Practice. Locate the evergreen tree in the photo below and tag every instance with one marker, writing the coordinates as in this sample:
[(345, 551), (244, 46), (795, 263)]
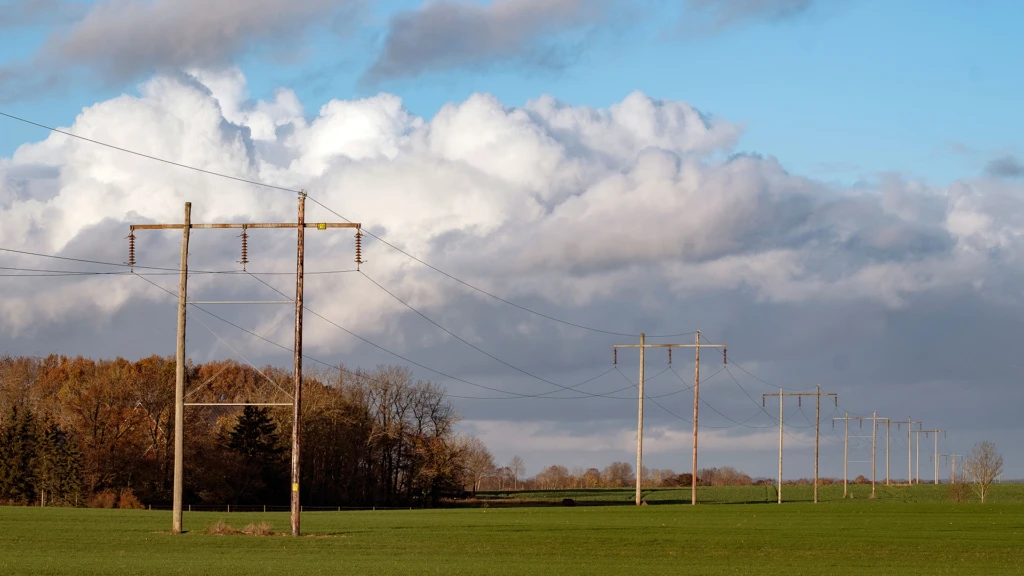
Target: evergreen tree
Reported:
[(18, 456), (255, 436), (259, 476), (58, 466)]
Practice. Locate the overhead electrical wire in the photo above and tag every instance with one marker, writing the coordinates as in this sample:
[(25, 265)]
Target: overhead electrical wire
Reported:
[(171, 271), (409, 360), (512, 395), (715, 410)]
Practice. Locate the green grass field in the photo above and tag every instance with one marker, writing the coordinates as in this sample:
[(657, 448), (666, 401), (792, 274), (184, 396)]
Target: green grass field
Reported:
[(859, 537)]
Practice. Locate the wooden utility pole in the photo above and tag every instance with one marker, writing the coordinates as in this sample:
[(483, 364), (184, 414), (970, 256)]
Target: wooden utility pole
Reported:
[(846, 453), (697, 345), (817, 429), (300, 261), (779, 491), (179, 380), (936, 453), (296, 403), (874, 460), (910, 424)]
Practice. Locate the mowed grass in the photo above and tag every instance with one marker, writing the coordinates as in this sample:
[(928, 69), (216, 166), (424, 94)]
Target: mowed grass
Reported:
[(869, 537)]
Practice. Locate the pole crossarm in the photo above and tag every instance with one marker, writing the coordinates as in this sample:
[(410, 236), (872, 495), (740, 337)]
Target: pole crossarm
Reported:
[(239, 404), (817, 394), (299, 226), (213, 302), (861, 418), (254, 225), (643, 345), (800, 394)]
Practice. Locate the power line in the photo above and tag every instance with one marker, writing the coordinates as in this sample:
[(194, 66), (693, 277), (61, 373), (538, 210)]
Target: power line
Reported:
[(171, 271), (489, 294), (460, 338), (413, 362), (715, 410), (165, 161)]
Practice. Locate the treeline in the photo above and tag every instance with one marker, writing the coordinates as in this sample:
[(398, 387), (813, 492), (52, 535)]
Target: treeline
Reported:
[(623, 475), (615, 475), (75, 431)]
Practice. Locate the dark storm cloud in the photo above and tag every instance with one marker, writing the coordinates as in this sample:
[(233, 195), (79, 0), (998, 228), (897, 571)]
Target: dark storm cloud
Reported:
[(448, 35), (724, 13), (1005, 167), (18, 13), (118, 41)]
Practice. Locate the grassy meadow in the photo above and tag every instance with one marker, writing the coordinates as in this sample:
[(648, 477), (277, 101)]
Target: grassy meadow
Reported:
[(869, 537)]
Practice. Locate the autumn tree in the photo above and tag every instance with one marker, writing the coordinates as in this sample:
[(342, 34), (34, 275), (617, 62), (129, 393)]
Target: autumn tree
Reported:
[(375, 437), (982, 466), (478, 461), (617, 474)]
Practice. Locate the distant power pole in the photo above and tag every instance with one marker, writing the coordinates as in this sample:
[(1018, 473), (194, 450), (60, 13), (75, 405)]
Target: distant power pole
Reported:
[(952, 463), (888, 423), (697, 345), (179, 385), (875, 419), (910, 424), (936, 456), (817, 432)]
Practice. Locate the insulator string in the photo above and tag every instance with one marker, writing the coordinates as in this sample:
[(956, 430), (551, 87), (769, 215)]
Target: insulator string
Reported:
[(245, 248), (131, 250)]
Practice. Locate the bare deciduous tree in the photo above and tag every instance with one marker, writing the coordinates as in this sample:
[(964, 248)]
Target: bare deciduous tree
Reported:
[(982, 467), (478, 460), (518, 468), (617, 474)]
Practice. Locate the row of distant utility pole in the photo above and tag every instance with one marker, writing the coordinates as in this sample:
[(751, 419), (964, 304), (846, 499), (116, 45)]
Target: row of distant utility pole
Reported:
[(875, 420), (782, 394)]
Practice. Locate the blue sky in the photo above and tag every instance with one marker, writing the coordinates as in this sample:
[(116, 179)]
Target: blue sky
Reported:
[(842, 91)]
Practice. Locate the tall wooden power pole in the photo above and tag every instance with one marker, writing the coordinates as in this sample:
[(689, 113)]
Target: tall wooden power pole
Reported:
[(817, 429), (179, 380), (697, 345), (296, 403)]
